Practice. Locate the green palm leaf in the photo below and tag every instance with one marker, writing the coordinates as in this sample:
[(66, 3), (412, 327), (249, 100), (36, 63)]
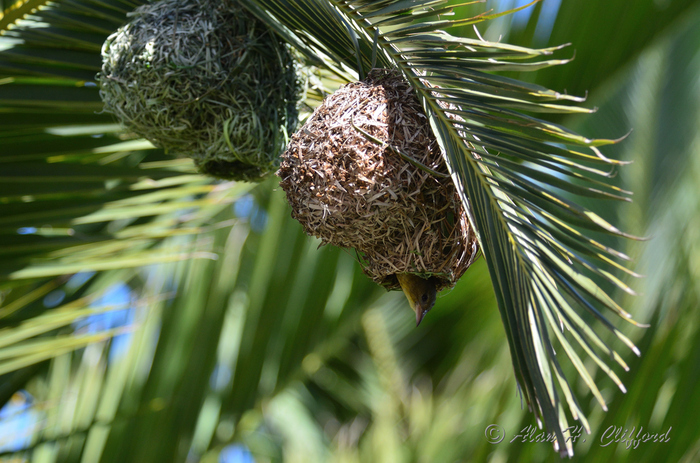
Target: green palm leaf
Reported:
[(518, 175), (539, 278)]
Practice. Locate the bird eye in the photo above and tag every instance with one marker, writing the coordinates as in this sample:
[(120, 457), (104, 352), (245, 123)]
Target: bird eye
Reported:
[(424, 298)]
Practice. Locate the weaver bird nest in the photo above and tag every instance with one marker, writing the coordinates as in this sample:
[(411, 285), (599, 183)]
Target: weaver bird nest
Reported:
[(203, 79), (349, 181)]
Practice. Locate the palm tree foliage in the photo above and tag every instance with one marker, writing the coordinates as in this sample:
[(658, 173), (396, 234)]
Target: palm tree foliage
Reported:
[(276, 320), (525, 232)]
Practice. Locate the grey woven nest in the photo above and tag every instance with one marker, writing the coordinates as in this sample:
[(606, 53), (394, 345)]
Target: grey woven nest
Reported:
[(203, 79), (353, 192)]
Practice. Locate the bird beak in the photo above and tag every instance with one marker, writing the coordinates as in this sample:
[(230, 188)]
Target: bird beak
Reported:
[(420, 313), (419, 292)]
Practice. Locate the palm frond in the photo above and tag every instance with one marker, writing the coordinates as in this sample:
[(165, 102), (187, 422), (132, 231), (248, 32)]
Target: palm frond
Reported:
[(78, 194), (85, 196), (518, 175)]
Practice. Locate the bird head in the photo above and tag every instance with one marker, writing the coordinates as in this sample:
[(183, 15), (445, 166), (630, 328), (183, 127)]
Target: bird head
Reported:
[(420, 292)]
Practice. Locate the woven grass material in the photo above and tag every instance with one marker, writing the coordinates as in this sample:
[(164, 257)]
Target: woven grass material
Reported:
[(203, 79), (352, 192)]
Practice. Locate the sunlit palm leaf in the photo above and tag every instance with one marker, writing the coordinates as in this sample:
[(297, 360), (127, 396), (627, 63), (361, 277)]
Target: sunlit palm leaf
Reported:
[(76, 193), (530, 234), (539, 259)]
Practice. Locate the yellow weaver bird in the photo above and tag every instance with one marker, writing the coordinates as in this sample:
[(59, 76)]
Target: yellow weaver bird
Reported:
[(420, 292)]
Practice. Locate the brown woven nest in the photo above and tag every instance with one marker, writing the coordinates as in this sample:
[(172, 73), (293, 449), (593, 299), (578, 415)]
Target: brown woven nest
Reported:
[(203, 79), (349, 190)]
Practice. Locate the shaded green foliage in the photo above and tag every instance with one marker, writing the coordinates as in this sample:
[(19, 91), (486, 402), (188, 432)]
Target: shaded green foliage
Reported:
[(265, 340)]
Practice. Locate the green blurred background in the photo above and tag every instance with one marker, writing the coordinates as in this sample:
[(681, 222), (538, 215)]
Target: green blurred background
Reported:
[(265, 347)]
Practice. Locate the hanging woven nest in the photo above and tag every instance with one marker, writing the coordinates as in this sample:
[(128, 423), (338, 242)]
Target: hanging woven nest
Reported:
[(206, 80), (349, 186)]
